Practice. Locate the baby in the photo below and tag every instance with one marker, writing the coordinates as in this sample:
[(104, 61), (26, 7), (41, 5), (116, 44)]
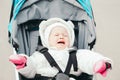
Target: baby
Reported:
[(58, 36)]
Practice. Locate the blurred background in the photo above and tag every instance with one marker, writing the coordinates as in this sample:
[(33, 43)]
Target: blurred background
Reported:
[(107, 17)]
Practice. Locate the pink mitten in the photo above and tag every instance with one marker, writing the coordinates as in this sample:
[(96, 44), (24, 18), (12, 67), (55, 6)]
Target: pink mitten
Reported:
[(102, 67), (18, 60)]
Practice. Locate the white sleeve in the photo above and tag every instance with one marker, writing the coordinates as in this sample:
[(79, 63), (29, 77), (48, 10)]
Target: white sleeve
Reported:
[(87, 59), (29, 70)]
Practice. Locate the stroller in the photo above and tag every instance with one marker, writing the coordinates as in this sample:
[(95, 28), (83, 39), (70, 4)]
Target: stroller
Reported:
[(26, 16)]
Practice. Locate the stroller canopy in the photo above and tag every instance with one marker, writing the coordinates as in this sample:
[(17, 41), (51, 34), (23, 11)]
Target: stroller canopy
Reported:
[(27, 14)]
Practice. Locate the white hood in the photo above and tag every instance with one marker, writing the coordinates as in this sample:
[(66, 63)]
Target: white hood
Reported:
[(45, 28)]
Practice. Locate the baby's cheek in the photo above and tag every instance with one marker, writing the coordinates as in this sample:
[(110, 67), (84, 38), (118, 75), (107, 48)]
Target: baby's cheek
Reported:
[(52, 43), (68, 43)]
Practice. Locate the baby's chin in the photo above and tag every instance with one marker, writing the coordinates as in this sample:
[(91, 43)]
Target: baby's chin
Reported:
[(59, 48)]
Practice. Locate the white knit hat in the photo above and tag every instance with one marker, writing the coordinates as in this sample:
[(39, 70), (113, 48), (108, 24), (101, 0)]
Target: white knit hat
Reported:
[(45, 28)]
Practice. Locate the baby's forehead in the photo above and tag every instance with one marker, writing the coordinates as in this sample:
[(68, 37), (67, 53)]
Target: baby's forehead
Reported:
[(59, 29)]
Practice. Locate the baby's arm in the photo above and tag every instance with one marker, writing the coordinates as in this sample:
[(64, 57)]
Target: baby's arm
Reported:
[(23, 64), (92, 62)]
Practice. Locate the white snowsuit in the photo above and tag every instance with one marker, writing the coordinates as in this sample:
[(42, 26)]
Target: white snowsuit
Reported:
[(38, 64)]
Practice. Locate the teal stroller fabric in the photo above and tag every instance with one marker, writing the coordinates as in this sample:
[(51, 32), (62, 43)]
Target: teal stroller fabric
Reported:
[(86, 6), (17, 4)]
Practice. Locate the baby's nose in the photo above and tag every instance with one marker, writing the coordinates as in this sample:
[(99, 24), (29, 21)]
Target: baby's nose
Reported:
[(61, 36)]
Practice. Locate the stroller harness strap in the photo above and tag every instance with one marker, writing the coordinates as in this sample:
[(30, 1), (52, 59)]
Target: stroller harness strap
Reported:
[(49, 58), (72, 60)]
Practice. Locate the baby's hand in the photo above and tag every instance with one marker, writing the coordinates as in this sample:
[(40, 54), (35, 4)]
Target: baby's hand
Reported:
[(102, 67), (18, 60)]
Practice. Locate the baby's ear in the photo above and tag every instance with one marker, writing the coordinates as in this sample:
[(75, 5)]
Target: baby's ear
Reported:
[(70, 23)]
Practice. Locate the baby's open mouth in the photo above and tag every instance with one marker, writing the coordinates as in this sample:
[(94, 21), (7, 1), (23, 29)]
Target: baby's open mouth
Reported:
[(61, 42)]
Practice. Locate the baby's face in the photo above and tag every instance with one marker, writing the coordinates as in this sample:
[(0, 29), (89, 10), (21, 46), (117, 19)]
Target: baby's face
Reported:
[(59, 38)]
